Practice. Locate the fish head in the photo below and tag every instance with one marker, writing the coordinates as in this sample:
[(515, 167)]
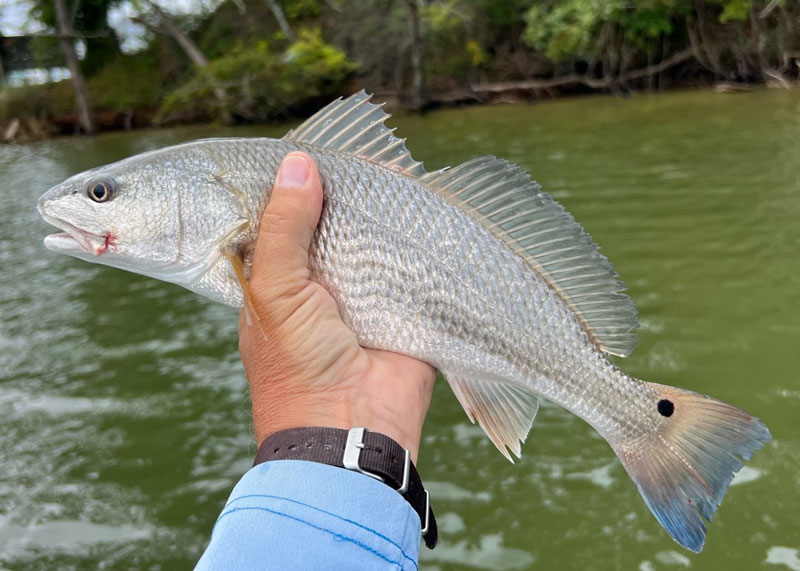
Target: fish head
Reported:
[(163, 214)]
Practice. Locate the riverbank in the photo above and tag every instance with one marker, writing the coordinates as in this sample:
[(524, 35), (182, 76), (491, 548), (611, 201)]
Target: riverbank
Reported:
[(255, 62), (26, 129)]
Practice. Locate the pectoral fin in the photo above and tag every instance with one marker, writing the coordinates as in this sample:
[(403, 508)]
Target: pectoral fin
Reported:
[(251, 314)]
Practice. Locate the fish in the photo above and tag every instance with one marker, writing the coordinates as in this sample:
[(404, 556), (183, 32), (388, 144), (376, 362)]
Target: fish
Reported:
[(473, 269)]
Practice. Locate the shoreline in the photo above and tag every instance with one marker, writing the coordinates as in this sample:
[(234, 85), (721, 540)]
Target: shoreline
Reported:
[(21, 130)]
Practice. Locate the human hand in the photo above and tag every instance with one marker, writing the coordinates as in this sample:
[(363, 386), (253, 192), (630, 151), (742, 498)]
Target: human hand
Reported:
[(306, 368)]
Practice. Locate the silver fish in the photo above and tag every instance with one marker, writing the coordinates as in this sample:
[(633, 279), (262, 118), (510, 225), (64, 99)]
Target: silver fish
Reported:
[(472, 269)]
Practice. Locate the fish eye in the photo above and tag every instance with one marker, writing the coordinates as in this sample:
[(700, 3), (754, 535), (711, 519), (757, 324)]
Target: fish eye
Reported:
[(101, 190)]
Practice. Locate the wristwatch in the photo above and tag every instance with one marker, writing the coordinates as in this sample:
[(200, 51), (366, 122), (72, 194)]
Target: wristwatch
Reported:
[(371, 453)]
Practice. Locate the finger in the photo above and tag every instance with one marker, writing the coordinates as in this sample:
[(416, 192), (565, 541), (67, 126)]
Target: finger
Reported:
[(280, 261)]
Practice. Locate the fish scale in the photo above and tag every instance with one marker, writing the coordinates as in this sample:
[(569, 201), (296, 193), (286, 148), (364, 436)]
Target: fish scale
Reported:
[(472, 269), (536, 335)]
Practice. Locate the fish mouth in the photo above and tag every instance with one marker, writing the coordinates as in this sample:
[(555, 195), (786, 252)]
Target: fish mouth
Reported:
[(74, 240)]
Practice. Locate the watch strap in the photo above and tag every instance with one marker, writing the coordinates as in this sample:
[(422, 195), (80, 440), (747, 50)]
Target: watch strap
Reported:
[(371, 453)]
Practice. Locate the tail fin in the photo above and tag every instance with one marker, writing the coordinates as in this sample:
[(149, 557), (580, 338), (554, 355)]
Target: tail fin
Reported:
[(684, 467)]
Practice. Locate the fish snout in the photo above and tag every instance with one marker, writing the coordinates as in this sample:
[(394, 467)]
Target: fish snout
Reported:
[(73, 239)]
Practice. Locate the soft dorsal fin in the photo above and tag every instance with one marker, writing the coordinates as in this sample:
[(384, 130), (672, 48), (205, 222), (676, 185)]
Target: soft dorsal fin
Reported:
[(508, 203), (505, 411), (354, 127)]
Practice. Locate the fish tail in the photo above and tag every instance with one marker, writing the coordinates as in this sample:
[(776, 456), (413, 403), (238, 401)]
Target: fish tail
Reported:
[(683, 468)]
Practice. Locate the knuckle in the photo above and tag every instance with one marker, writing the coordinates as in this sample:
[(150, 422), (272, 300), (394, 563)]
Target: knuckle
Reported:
[(276, 221)]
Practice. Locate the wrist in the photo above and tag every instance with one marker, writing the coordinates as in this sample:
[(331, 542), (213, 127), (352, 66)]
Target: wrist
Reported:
[(271, 415)]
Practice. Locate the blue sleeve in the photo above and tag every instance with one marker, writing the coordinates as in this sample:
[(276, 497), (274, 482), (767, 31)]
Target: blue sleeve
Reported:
[(292, 514)]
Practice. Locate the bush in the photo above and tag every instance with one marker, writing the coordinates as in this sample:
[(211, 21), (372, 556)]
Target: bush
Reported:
[(259, 83), (130, 83)]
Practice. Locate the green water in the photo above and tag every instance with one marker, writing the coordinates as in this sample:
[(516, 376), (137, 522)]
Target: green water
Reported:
[(124, 414)]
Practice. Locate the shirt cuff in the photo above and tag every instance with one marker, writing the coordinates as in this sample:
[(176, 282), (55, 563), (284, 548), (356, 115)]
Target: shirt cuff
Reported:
[(286, 512)]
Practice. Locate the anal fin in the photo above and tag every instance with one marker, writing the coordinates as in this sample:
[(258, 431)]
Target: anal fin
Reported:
[(505, 411)]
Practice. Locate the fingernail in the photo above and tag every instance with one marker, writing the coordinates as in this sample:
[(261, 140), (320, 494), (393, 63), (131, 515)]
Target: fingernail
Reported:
[(293, 172)]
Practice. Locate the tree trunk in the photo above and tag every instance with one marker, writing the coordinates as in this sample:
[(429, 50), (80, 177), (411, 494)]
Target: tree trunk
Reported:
[(711, 52), (193, 53), (755, 27), (281, 19), (82, 99), (599, 49), (694, 42), (417, 53)]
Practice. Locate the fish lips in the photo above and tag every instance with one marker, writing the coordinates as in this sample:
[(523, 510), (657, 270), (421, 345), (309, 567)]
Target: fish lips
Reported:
[(73, 241)]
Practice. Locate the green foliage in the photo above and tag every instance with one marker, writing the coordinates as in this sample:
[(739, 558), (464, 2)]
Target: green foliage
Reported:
[(227, 27), (91, 21), (563, 29), (734, 10), (102, 45), (41, 101), (503, 14), (260, 82), (444, 17), (45, 49), (452, 49), (128, 83), (311, 59), (300, 9), (477, 55), (572, 28), (643, 25)]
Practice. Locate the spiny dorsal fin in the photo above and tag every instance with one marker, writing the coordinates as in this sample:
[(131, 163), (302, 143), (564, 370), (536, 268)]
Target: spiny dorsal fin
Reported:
[(508, 203), (354, 127), (504, 411)]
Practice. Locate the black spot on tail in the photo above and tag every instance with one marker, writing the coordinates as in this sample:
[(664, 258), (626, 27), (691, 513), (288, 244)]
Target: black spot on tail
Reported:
[(665, 407)]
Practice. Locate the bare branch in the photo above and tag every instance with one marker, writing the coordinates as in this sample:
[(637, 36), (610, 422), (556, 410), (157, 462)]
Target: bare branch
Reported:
[(73, 35), (768, 10), (82, 99), (592, 82), (281, 19)]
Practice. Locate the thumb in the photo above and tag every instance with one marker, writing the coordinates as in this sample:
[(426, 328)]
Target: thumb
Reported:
[(280, 262)]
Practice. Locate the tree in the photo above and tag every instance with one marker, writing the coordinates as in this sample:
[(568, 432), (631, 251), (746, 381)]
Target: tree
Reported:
[(417, 53), (82, 98), (89, 21), (193, 53)]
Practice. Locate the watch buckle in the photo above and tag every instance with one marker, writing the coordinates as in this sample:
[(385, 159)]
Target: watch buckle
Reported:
[(352, 452)]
